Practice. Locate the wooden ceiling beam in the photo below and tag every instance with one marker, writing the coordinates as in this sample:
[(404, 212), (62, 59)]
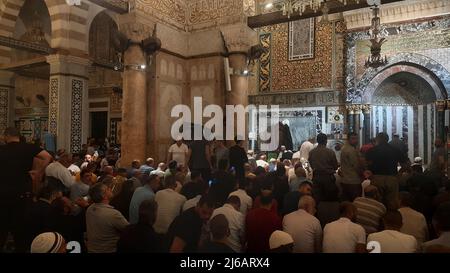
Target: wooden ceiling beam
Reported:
[(274, 18)]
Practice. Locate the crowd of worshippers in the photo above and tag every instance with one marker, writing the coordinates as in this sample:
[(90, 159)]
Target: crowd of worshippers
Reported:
[(208, 197)]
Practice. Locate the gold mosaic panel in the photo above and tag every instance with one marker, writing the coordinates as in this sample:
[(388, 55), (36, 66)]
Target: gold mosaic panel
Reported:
[(304, 74)]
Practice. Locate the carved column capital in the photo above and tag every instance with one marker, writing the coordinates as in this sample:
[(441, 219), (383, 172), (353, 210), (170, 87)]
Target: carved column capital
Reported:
[(366, 108), (448, 104), (350, 109), (357, 109), (441, 105), (239, 38), (136, 26)]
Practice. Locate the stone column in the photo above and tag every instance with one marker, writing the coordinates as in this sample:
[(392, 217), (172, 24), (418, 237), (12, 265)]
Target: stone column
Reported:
[(68, 96), (7, 99), (366, 126), (134, 102), (440, 126), (239, 39)]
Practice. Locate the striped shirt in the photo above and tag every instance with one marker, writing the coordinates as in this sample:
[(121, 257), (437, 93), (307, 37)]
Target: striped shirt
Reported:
[(369, 213)]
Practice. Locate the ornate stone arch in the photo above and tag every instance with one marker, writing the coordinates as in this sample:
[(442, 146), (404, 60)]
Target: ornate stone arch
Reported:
[(367, 95), (428, 68)]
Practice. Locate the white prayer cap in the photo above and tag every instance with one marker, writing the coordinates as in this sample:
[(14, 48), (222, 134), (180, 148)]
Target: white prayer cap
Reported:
[(279, 238), (48, 242)]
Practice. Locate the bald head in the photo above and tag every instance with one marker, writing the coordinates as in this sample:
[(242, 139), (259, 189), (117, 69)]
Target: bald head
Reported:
[(307, 203), (149, 161), (371, 192), (108, 170)]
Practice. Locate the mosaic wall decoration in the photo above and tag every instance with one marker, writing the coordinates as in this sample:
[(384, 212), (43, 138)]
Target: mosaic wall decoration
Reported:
[(301, 39), (53, 106), (302, 74), (264, 63), (424, 44), (116, 130), (3, 109), (76, 116)]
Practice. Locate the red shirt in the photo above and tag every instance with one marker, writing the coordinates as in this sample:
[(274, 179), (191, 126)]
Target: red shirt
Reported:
[(257, 204), (366, 148), (260, 224)]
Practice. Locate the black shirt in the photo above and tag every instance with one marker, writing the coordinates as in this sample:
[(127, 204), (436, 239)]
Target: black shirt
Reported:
[(383, 159), (188, 227), (41, 219), (238, 157), (215, 247), (222, 185), (16, 162), (198, 158), (139, 238), (191, 190)]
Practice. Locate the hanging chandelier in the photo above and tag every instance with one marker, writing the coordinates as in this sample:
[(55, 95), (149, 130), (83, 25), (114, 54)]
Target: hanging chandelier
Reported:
[(375, 59)]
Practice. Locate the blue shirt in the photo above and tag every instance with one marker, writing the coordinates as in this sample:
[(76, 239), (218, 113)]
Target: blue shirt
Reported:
[(140, 194)]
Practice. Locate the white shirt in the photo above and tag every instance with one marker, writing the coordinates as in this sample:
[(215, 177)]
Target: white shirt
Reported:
[(246, 201), (261, 163), (296, 155), (414, 224), (305, 229), (179, 153), (392, 241), (342, 236), (191, 202), (74, 169), (236, 224), (58, 171), (305, 149), (169, 203), (364, 185)]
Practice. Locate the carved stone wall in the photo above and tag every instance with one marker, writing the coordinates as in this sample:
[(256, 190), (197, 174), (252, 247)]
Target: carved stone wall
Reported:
[(197, 14)]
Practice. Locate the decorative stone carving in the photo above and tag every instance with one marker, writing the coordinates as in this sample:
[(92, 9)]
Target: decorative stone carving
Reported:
[(76, 116), (239, 37), (173, 12), (299, 99), (136, 26)]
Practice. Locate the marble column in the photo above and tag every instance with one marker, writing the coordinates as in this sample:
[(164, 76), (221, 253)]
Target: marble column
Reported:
[(366, 126), (440, 118), (357, 119), (7, 99), (350, 118), (134, 102), (239, 39), (68, 96)]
